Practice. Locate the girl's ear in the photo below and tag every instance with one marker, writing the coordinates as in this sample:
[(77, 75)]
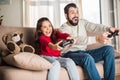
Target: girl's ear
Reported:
[(39, 32)]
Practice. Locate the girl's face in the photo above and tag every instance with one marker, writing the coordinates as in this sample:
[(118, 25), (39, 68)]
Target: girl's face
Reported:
[(46, 28)]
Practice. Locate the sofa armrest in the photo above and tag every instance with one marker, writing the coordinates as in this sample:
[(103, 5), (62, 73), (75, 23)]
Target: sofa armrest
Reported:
[(117, 54)]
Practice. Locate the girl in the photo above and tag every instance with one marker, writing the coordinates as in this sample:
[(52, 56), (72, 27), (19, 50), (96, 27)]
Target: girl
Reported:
[(49, 49)]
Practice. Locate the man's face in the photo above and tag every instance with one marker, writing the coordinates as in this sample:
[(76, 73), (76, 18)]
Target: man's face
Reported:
[(73, 16)]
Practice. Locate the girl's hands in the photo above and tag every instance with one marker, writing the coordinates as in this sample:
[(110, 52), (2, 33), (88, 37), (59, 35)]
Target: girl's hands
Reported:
[(73, 39), (55, 46)]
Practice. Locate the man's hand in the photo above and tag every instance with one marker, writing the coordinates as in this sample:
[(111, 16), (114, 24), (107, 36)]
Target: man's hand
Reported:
[(115, 29), (102, 38)]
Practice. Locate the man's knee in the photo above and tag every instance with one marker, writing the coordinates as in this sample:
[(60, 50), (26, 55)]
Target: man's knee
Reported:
[(109, 50), (88, 59), (108, 47)]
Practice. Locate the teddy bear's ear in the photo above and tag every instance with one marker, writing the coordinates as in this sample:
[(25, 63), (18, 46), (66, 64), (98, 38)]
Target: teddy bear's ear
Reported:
[(4, 39), (21, 35)]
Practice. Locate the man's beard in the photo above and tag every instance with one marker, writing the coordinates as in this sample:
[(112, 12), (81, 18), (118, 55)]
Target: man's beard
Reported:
[(71, 22)]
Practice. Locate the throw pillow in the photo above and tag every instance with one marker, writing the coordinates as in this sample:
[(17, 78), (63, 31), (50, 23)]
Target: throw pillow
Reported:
[(29, 61)]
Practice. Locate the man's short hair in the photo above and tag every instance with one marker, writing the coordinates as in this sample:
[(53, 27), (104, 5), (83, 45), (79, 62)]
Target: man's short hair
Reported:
[(68, 6)]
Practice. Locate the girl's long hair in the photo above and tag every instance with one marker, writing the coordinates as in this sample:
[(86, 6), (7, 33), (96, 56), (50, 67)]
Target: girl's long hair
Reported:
[(38, 32)]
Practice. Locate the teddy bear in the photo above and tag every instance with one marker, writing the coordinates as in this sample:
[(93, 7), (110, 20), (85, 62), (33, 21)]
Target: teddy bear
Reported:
[(4, 53), (14, 43)]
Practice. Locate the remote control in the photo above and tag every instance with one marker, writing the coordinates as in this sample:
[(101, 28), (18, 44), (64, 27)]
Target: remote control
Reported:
[(113, 34), (66, 42)]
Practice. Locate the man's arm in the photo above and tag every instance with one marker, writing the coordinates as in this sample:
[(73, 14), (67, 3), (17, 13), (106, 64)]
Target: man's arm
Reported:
[(95, 28), (104, 38)]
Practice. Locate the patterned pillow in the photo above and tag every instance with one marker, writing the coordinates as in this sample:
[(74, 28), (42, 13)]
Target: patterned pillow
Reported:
[(29, 61)]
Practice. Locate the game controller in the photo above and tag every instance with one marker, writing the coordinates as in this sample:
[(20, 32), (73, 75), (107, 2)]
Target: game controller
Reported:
[(66, 42), (113, 34)]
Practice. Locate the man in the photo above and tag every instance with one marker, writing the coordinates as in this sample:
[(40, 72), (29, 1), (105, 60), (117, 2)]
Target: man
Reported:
[(79, 28)]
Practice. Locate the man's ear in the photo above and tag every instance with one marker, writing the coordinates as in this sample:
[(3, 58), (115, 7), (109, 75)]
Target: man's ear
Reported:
[(65, 16)]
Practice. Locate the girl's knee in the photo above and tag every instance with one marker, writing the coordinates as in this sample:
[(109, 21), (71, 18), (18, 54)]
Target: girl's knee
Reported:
[(67, 62), (56, 64)]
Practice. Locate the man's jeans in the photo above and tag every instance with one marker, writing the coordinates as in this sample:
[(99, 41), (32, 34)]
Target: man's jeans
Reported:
[(87, 60), (58, 62)]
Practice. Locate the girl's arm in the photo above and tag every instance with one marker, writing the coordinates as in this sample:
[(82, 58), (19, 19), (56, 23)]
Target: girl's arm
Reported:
[(62, 35), (55, 46)]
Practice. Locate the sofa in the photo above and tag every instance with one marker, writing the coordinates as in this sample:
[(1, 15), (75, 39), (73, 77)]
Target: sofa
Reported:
[(8, 72)]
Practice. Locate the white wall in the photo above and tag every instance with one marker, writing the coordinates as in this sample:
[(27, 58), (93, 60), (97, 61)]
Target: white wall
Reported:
[(12, 13), (117, 21), (107, 12), (111, 16)]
